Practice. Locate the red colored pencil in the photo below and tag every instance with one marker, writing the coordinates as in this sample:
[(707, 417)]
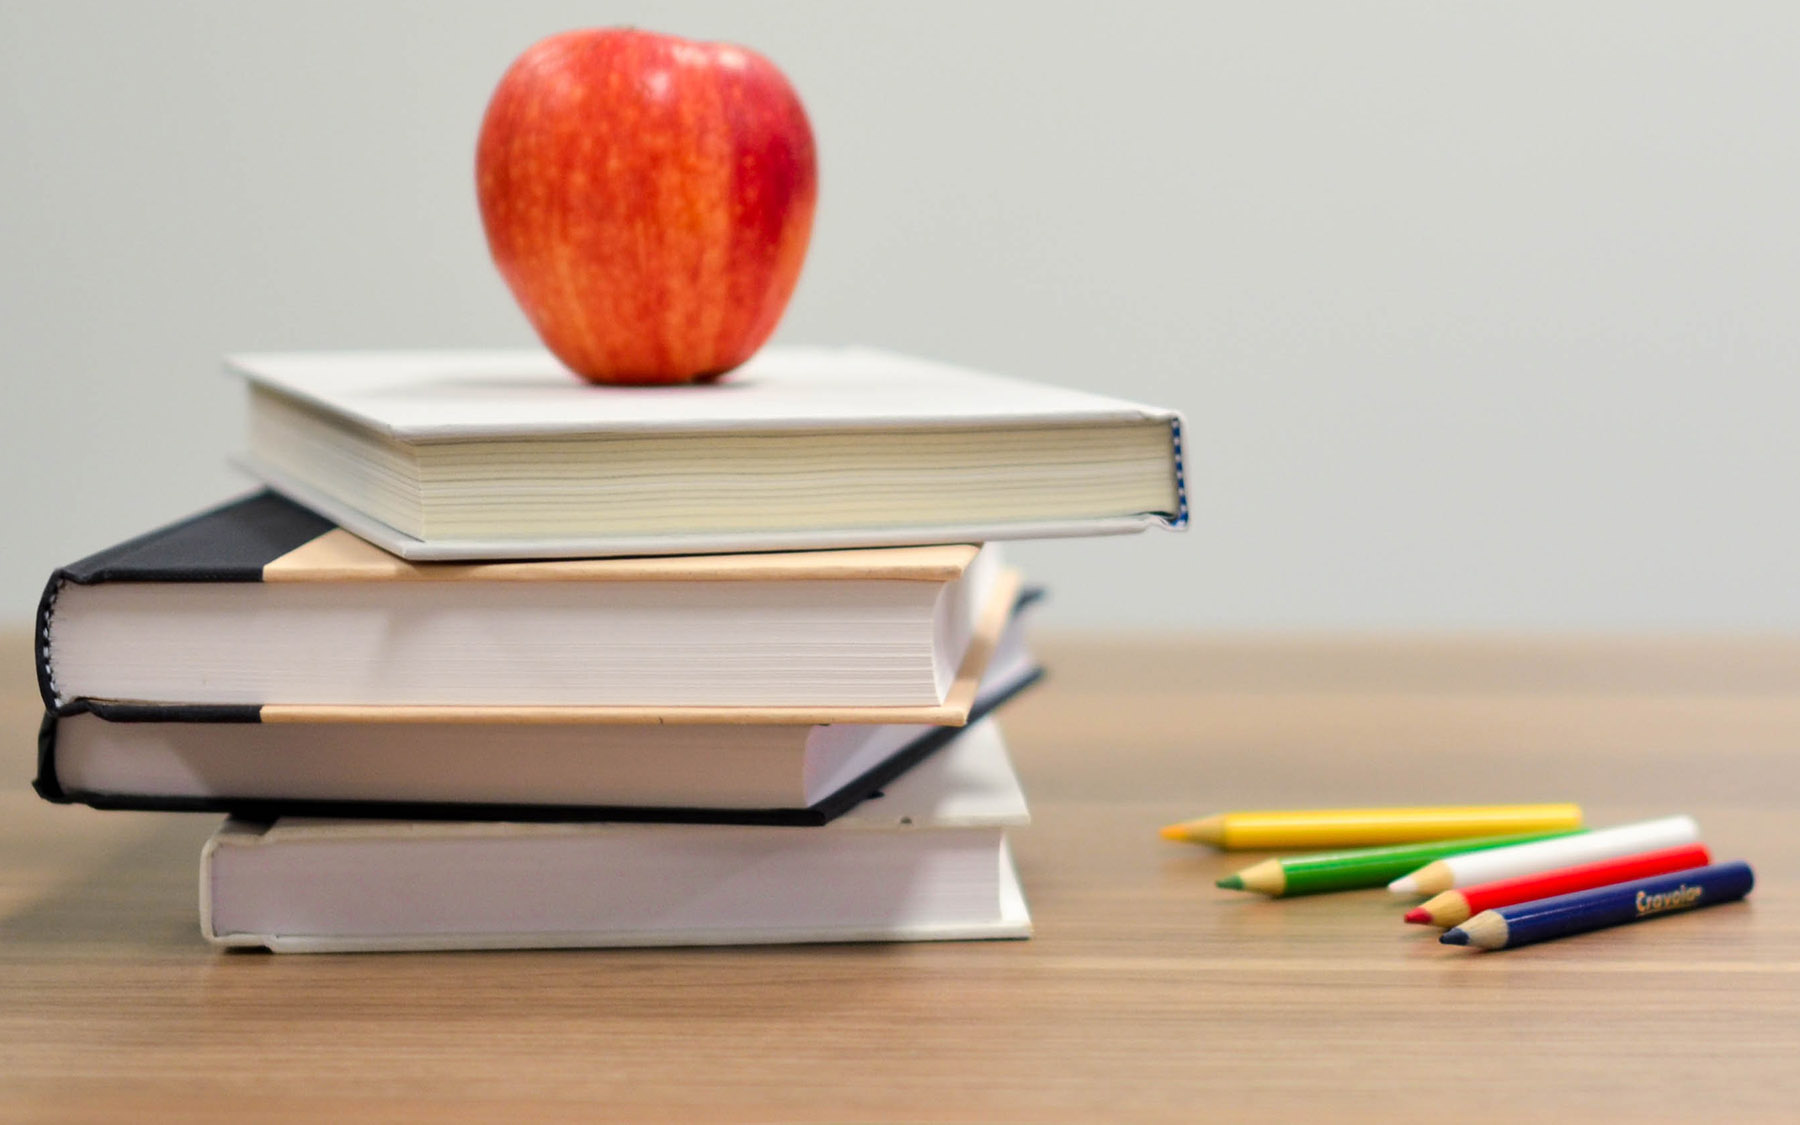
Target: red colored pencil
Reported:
[(1455, 907)]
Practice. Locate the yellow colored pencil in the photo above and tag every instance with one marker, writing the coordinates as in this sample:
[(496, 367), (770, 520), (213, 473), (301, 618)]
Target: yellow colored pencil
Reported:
[(1362, 828)]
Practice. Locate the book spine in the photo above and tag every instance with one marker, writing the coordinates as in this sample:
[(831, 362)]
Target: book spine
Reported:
[(1178, 451), (229, 543), (45, 783), (49, 786), (40, 641)]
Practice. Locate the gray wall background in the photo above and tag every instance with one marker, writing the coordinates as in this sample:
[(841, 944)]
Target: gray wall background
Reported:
[(1484, 316)]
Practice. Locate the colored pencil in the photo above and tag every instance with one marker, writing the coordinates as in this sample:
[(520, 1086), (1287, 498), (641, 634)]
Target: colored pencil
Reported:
[(1508, 927), (1453, 907), (1360, 828), (1361, 867), (1606, 843)]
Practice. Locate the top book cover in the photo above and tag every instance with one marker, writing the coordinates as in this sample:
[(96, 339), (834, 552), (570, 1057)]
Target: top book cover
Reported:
[(504, 454)]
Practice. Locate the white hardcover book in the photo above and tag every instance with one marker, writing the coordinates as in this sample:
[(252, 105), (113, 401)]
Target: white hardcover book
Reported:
[(926, 860), (455, 455)]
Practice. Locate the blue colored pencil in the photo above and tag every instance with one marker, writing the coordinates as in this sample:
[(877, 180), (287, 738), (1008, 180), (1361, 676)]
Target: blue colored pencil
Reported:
[(1526, 922)]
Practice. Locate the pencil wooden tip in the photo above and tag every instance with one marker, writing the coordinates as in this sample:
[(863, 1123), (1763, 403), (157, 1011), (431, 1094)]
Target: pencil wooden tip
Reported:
[(1487, 930), (1230, 882), (1448, 909), (1454, 936), (1419, 916), (1207, 830), (1431, 879), (1265, 878)]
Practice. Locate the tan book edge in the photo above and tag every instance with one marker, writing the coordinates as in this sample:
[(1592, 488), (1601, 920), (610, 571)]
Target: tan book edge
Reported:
[(953, 712), (338, 556)]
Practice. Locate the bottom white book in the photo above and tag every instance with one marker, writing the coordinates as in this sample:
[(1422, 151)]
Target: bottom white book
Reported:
[(925, 861)]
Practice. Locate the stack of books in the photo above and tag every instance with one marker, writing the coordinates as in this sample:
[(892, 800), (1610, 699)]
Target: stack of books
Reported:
[(504, 660)]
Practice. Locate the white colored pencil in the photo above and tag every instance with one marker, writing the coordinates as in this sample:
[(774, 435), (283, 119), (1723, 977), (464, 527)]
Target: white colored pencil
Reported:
[(1546, 855)]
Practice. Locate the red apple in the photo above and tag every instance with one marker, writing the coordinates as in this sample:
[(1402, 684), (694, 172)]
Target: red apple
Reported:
[(648, 199)]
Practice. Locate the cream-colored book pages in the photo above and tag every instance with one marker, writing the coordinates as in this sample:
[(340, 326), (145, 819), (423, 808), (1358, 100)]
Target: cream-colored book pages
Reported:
[(453, 395), (953, 711), (453, 548)]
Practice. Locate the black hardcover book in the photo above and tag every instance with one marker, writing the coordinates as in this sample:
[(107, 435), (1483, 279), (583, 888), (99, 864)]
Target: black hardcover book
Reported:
[(224, 760), (262, 603), (743, 765)]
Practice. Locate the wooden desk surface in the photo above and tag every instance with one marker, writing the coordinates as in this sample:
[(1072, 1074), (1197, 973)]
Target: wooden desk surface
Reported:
[(1146, 994)]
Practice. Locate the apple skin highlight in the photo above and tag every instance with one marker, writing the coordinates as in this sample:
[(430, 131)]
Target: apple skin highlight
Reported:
[(648, 200)]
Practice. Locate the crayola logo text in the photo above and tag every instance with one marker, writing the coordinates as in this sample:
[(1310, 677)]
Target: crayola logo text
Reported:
[(1681, 896)]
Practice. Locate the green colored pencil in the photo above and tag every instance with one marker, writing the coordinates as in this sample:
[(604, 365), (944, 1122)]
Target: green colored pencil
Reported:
[(1362, 867)]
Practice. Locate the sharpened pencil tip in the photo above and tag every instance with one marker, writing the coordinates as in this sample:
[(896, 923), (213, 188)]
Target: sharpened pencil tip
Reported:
[(1419, 916), (1455, 935), (1207, 830), (1404, 885), (1230, 882)]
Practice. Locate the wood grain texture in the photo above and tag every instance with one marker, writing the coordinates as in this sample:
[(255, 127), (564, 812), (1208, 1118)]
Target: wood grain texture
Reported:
[(1146, 995)]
